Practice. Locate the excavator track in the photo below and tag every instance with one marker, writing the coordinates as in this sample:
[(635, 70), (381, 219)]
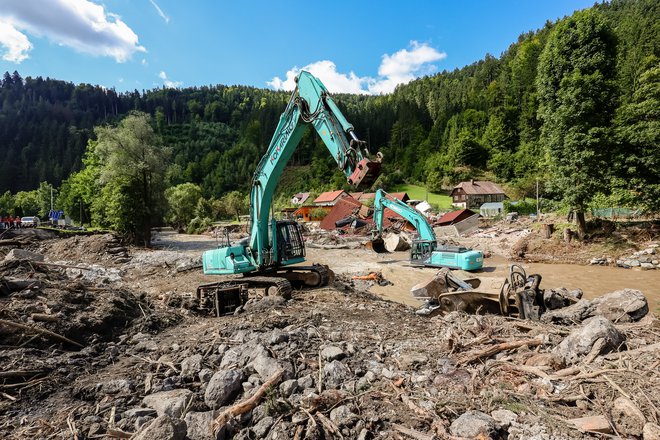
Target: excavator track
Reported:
[(273, 285), (224, 297), (316, 275)]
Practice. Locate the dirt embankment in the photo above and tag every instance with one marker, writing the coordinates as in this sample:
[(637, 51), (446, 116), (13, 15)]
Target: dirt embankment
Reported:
[(525, 240), (330, 363)]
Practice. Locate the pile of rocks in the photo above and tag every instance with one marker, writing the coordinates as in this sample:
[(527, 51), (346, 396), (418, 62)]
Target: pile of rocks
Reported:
[(645, 259)]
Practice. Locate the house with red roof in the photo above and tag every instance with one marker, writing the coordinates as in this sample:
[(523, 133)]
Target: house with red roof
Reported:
[(454, 217), (330, 198)]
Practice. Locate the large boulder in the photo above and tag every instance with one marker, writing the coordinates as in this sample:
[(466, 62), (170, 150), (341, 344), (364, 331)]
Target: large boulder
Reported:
[(473, 424), (580, 342), (627, 305), (223, 386), (169, 403), (161, 428)]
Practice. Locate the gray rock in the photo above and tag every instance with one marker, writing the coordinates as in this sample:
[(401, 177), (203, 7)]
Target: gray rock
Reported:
[(627, 417), (627, 305), (191, 365), (277, 336), (572, 314), (266, 366), (332, 353), (170, 403), (651, 431), (504, 417), (142, 420), (634, 263), (205, 375), (647, 265), (306, 381), (581, 341), (335, 374), (139, 412), (262, 427), (161, 428), (288, 387), (117, 386), (23, 255), (472, 424), (343, 416), (200, 425), (230, 358), (222, 387)]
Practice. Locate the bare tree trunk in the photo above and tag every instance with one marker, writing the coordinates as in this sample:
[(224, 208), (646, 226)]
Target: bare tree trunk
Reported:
[(581, 225), (548, 230)]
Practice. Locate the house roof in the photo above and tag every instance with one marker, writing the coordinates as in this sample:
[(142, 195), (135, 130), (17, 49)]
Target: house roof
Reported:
[(451, 217), (302, 197), (342, 209), (330, 196), (403, 196), (478, 187)]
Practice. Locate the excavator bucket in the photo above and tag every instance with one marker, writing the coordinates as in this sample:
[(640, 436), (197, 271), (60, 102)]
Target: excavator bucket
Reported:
[(378, 246), (365, 174)]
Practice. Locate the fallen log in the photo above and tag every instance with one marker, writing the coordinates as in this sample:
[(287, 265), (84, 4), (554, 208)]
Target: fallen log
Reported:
[(395, 243), (43, 331), (494, 349), (246, 405)]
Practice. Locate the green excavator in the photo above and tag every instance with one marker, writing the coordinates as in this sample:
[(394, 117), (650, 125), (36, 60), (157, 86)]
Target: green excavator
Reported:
[(425, 250), (270, 258)]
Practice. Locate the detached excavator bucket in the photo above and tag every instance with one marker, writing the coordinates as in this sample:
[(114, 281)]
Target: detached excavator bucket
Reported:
[(365, 174), (378, 246)]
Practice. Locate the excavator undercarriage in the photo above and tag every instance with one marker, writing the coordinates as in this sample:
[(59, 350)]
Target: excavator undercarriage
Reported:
[(223, 298)]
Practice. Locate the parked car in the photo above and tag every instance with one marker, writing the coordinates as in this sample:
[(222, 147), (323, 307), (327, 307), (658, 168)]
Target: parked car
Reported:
[(30, 222)]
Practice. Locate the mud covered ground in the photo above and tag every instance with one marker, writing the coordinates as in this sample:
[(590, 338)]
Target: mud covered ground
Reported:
[(98, 343)]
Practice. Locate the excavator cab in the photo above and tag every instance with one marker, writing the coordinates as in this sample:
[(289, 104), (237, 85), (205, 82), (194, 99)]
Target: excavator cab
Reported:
[(289, 244), (421, 250)]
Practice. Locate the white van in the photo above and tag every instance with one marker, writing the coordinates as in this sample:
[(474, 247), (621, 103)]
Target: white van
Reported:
[(30, 222)]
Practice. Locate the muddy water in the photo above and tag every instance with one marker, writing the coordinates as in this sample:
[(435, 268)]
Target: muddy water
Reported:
[(593, 280)]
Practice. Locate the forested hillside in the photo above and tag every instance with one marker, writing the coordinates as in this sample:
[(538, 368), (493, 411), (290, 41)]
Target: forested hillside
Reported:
[(495, 116)]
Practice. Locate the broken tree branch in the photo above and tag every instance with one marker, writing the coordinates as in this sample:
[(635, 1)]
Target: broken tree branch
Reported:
[(39, 330), (246, 405), (494, 349)]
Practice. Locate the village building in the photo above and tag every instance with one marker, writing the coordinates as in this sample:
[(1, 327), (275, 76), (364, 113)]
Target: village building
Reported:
[(473, 194), (330, 198), (299, 199), (454, 217)]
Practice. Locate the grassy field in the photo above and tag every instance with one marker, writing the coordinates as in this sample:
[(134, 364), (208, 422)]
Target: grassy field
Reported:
[(419, 193)]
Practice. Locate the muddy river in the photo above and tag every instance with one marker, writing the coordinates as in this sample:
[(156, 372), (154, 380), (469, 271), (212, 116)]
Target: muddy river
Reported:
[(593, 280)]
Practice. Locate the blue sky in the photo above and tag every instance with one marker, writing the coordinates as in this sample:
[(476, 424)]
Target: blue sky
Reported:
[(353, 46)]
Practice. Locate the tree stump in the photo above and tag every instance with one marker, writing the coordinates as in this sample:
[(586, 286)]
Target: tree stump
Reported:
[(396, 243), (568, 235), (548, 230)]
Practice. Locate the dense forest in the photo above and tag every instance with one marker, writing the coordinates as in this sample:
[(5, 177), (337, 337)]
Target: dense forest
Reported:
[(576, 101)]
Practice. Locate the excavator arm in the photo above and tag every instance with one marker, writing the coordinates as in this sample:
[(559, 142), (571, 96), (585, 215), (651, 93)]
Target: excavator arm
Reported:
[(310, 105)]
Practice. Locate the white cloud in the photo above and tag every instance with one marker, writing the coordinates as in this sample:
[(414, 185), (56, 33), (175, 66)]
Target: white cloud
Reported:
[(398, 68), (16, 43), (80, 24), (160, 11), (167, 82)]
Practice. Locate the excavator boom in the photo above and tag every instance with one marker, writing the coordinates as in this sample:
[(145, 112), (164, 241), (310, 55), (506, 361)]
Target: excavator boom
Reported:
[(274, 244)]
